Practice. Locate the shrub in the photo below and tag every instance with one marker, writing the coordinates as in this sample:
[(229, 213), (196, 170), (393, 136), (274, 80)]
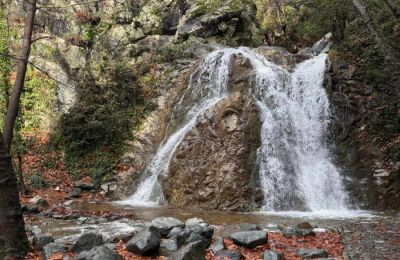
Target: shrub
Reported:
[(37, 181)]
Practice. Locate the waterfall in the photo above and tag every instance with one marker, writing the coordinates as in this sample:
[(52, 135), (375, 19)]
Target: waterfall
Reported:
[(295, 165)]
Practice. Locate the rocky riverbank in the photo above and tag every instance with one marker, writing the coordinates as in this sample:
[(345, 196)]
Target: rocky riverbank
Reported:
[(170, 238), (93, 231)]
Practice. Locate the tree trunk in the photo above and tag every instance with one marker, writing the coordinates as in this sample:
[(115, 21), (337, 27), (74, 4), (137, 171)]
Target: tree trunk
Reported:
[(12, 226), (13, 106), (22, 186)]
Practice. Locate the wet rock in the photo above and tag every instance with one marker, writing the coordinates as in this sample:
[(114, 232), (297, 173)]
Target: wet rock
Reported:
[(167, 247), (30, 208), (297, 232), (75, 193), (311, 252), (217, 245), (39, 241), (248, 227), (165, 225), (250, 238), (228, 255), (192, 251), (175, 232), (98, 253), (52, 248), (272, 255), (145, 242), (87, 241), (82, 220)]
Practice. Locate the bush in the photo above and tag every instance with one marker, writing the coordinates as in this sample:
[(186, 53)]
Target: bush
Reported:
[(93, 132), (37, 181)]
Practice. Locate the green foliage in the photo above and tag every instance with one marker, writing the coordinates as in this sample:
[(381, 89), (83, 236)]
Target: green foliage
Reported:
[(209, 6), (297, 24), (37, 102), (36, 180), (93, 131), (5, 65)]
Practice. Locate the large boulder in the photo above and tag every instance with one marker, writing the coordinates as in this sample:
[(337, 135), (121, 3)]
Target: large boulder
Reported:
[(192, 251), (87, 241), (145, 242), (98, 253), (213, 166), (250, 238), (39, 241), (166, 224), (52, 248)]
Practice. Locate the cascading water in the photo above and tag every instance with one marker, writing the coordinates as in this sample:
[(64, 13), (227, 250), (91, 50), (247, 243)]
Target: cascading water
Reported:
[(296, 171)]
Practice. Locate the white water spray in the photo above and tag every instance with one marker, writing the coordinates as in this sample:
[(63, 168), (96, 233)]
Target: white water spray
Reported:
[(296, 170)]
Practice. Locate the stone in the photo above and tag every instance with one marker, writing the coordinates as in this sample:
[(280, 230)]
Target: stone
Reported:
[(39, 201), (304, 225), (145, 242), (297, 232), (311, 252), (193, 237), (248, 227), (75, 193), (98, 253), (167, 247), (84, 186), (202, 229), (108, 187), (175, 232), (30, 208), (217, 245), (272, 255), (39, 241), (250, 238), (87, 241), (166, 224), (228, 255), (194, 221), (192, 251), (52, 248)]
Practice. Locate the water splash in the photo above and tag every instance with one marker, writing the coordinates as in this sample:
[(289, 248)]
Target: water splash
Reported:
[(296, 169)]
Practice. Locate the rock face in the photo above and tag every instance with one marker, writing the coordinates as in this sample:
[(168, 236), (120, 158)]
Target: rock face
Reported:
[(213, 166)]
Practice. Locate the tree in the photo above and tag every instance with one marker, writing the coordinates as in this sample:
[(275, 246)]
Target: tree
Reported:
[(12, 226), (14, 100)]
